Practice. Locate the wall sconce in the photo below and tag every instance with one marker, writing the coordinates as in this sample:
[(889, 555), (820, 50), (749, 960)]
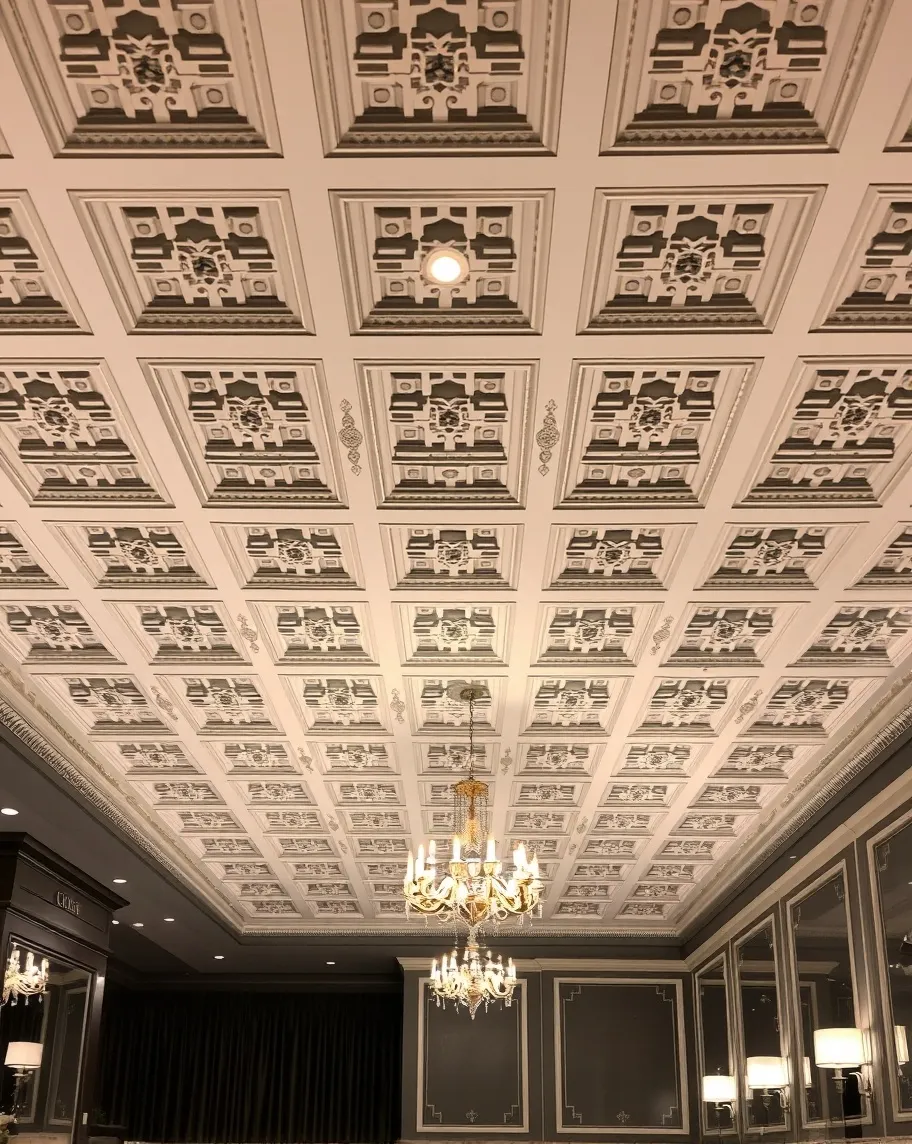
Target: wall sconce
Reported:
[(841, 1049), (769, 1074), (22, 1057), (722, 1092), (901, 1040)]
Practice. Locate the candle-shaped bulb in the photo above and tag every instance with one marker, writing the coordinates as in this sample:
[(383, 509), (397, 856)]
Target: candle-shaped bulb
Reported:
[(410, 869), (519, 857), (533, 866), (432, 852), (419, 864), (456, 848), (491, 855), (434, 972)]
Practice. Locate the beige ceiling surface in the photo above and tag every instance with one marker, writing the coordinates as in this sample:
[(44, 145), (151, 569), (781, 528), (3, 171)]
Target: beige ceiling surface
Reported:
[(266, 490)]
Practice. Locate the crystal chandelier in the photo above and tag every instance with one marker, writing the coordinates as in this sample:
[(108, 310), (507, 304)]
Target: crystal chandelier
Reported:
[(471, 982), (26, 982), (472, 891)]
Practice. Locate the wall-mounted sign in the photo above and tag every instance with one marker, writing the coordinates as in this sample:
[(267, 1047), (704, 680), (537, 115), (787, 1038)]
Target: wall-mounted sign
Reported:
[(65, 902)]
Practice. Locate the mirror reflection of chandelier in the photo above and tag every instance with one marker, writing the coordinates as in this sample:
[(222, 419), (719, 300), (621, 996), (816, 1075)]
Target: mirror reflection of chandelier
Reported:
[(471, 890), (472, 982), (23, 982)]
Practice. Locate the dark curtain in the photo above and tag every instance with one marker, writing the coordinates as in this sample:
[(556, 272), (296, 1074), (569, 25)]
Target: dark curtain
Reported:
[(251, 1068)]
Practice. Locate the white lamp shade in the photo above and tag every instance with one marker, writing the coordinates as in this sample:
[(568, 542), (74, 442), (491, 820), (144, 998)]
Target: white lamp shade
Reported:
[(718, 1089), (23, 1054), (902, 1044), (766, 1072), (838, 1048)]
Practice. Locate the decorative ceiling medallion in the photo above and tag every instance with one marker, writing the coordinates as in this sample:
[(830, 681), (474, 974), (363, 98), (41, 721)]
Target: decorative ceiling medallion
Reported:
[(687, 75), (451, 557), (292, 556), (809, 708), (844, 437), (648, 433), (773, 555), (109, 78), (384, 238), (251, 432), (592, 634), (449, 433), (871, 287), (52, 634), (132, 555), (35, 297), (178, 261), (456, 78), (706, 259), (108, 705), (739, 635), (177, 632), (454, 633), (316, 633), (892, 567), (67, 438), (19, 567), (617, 556)]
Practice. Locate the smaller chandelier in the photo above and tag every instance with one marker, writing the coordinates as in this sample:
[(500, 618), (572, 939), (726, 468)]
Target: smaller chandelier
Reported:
[(28, 982), (471, 891), (470, 982)]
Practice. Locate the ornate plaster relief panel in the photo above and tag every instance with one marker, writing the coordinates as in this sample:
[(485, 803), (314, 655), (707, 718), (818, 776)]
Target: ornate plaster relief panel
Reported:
[(452, 78), (277, 556), (649, 434), (844, 438), (449, 433), (34, 295), (138, 77), (871, 287), (252, 433), (210, 260), (68, 439), (452, 557), (722, 75), (384, 239), (709, 259)]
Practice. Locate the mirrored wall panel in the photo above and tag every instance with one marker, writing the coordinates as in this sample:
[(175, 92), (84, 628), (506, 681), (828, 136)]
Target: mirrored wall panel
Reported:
[(41, 1040), (821, 952), (714, 1047), (764, 1080), (892, 870)]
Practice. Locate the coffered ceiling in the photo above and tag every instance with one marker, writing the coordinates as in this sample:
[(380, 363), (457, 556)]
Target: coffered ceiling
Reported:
[(267, 489)]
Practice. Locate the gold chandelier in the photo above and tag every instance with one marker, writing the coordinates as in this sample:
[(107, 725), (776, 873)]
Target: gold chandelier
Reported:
[(27, 982), (471, 982), (471, 890)]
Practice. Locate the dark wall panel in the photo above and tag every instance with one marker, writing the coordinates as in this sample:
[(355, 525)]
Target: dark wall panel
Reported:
[(474, 1074), (619, 1049)]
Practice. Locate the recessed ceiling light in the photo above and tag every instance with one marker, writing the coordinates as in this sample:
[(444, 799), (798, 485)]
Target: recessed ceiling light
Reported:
[(330, 963), (446, 266), (219, 956), (137, 925), (792, 857), (169, 919), (118, 881), (9, 811), (115, 922)]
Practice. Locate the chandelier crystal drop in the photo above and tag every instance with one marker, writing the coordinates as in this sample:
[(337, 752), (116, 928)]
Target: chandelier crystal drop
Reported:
[(28, 982), (472, 890), (472, 982)]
